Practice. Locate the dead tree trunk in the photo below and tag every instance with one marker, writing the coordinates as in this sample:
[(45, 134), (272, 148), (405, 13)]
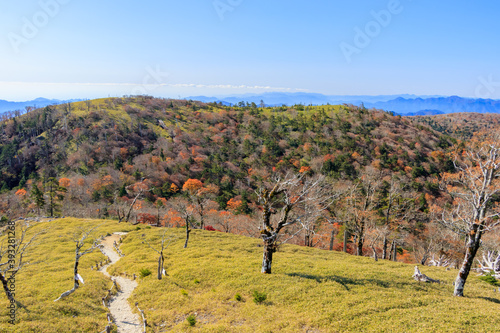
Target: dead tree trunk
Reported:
[(76, 277), (422, 277), (161, 258), (394, 251), (472, 247), (344, 248), (332, 238), (375, 256), (384, 248), (160, 265), (359, 246), (132, 205), (267, 259), (5, 284), (187, 234)]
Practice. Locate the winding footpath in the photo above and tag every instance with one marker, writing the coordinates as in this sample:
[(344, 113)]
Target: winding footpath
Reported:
[(125, 319)]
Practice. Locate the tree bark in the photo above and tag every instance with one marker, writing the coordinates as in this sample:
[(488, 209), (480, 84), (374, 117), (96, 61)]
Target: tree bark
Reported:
[(394, 251), (470, 254), (345, 242), (384, 248), (160, 265), (375, 256), (359, 246), (6, 289), (332, 237), (267, 258), (187, 234), (75, 278)]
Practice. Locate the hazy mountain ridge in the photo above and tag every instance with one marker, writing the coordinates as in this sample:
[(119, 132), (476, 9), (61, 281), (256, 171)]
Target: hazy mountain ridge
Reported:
[(6, 106), (408, 105)]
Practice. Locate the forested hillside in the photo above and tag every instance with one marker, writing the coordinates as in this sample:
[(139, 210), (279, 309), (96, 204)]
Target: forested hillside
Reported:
[(176, 162), (462, 125)]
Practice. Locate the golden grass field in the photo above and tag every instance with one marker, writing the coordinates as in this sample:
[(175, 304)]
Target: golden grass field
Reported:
[(310, 290)]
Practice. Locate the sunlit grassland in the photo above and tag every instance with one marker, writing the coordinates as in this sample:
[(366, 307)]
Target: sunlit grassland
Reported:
[(51, 273), (310, 289)]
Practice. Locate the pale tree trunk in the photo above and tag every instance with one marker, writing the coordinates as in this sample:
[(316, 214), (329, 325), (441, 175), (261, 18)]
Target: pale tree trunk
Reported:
[(375, 256), (332, 238), (345, 242), (470, 254), (395, 251), (307, 242), (160, 265)]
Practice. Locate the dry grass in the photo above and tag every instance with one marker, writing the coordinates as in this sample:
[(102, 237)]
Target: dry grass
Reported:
[(310, 290)]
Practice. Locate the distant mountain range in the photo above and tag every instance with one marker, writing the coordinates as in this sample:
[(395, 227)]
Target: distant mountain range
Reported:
[(408, 105), (6, 106)]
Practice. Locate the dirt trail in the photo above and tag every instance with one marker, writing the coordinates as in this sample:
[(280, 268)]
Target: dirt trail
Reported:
[(125, 319)]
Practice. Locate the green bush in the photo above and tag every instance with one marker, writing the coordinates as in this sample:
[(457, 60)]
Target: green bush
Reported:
[(259, 297), (191, 319), (238, 297), (185, 293), (490, 279), (144, 272)]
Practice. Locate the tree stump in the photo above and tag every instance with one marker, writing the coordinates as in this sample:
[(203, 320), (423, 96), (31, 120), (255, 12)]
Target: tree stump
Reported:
[(418, 276)]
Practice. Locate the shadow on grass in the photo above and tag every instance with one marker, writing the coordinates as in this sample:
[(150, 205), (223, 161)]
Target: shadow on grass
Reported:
[(343, 281), (494, 300)]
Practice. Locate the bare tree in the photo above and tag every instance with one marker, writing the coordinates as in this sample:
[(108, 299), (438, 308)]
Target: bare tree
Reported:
[(473, 188), (313, 213), (359, 206), (79, 253), (281, 197), (12, 254), (186, 211), (161, 259), (490, 263)]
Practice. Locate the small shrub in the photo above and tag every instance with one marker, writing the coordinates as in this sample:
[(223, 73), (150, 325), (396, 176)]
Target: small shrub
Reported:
[(148, 227), (196, 281), (137, 228), (488, 278), (259, 297), (185, 293), (191, 319), (144, 272), (238, 297), (209, 228)]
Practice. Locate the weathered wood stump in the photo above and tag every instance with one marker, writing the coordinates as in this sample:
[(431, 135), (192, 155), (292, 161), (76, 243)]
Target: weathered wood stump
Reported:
[(419, 276)]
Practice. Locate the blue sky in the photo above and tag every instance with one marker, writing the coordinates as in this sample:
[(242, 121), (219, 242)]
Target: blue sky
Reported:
[(88, 49)]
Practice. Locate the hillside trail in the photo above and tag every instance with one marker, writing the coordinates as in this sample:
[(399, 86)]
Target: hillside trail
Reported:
[(125, 319)]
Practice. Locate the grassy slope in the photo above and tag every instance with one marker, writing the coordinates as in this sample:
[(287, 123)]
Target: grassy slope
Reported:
[(310, 290), (38, 285)]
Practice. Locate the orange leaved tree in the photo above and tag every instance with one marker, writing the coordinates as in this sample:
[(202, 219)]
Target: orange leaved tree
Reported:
[(199, 196)]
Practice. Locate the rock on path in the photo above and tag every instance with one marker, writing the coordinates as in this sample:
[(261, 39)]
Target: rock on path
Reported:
[(125, 319)]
